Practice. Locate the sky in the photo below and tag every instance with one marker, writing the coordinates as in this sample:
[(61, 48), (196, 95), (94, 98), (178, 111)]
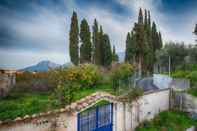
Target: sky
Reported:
[(36, 30)]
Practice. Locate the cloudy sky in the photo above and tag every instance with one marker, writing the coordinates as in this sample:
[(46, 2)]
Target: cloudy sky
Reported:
[(35, 30)]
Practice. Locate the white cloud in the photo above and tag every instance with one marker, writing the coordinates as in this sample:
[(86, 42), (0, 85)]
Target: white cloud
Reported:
[(48, 29)]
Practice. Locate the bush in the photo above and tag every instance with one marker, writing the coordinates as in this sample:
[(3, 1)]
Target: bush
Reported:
[(180, 74), (121, 72), (193, 78), (89, 75), (69, 80)]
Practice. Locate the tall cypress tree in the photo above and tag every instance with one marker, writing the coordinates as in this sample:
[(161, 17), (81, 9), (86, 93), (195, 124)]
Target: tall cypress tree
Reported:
[(160, 41), (107, 52), (74, 40), (98, 48), (130, 48), (114, 55), (95, 40), (127, 52), (86, 47), (141, 43), (154, 37)]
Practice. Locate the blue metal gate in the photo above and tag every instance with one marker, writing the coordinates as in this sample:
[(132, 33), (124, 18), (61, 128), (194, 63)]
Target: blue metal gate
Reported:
[(97, 119)]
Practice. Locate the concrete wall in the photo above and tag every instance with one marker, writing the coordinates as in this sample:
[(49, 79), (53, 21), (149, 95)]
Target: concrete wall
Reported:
[(128, 116), (56, 122)]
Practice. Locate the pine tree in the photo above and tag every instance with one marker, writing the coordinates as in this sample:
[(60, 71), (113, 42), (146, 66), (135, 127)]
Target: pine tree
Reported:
[(74, 40), (95, 40), (107, 52), (86, 46), (114, 55)]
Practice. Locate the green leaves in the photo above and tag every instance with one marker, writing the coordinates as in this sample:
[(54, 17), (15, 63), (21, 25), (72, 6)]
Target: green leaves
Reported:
[(74, 40)]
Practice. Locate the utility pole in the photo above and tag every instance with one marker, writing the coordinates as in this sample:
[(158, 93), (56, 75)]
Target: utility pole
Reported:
[(169, 66)]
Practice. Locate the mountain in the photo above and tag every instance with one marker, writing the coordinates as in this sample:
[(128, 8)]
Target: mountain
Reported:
[(121, 56), (42, 66)]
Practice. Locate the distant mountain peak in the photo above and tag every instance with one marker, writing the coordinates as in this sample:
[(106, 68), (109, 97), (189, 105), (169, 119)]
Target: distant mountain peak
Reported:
[(44, 65)]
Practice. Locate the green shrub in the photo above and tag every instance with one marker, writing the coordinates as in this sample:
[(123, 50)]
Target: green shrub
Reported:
[(121, 72), (193, 78), (168, 121), (89, 75), (180, 74)]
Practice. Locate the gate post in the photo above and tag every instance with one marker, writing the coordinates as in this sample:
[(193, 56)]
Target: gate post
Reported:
[(78, 121)]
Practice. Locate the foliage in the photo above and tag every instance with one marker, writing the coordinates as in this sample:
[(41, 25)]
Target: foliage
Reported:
[(131, 94), (89, 75), (65, 92), (142, 44), (193, 78), (86, 46), (95, 42), (107, 52), (74, 39), (19, 103), (168, 121), (193, 91), (114, 55), (69, 80), (183, 57), (180, 74), (191, 75), (121, 72), (23, 103)]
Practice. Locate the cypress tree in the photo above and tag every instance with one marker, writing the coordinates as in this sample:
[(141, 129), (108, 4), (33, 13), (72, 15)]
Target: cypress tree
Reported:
[(160, 41), (95, 40), (74, 40), (140, 17), (128, 41), (86, 47), (145, 20), (154, 37), (130, 48), (114, 55), (98, 48), (107, 52)]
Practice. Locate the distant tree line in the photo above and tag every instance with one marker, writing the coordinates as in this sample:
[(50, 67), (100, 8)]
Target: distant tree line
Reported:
[(87, 47), (182, 56), (142, 43)]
